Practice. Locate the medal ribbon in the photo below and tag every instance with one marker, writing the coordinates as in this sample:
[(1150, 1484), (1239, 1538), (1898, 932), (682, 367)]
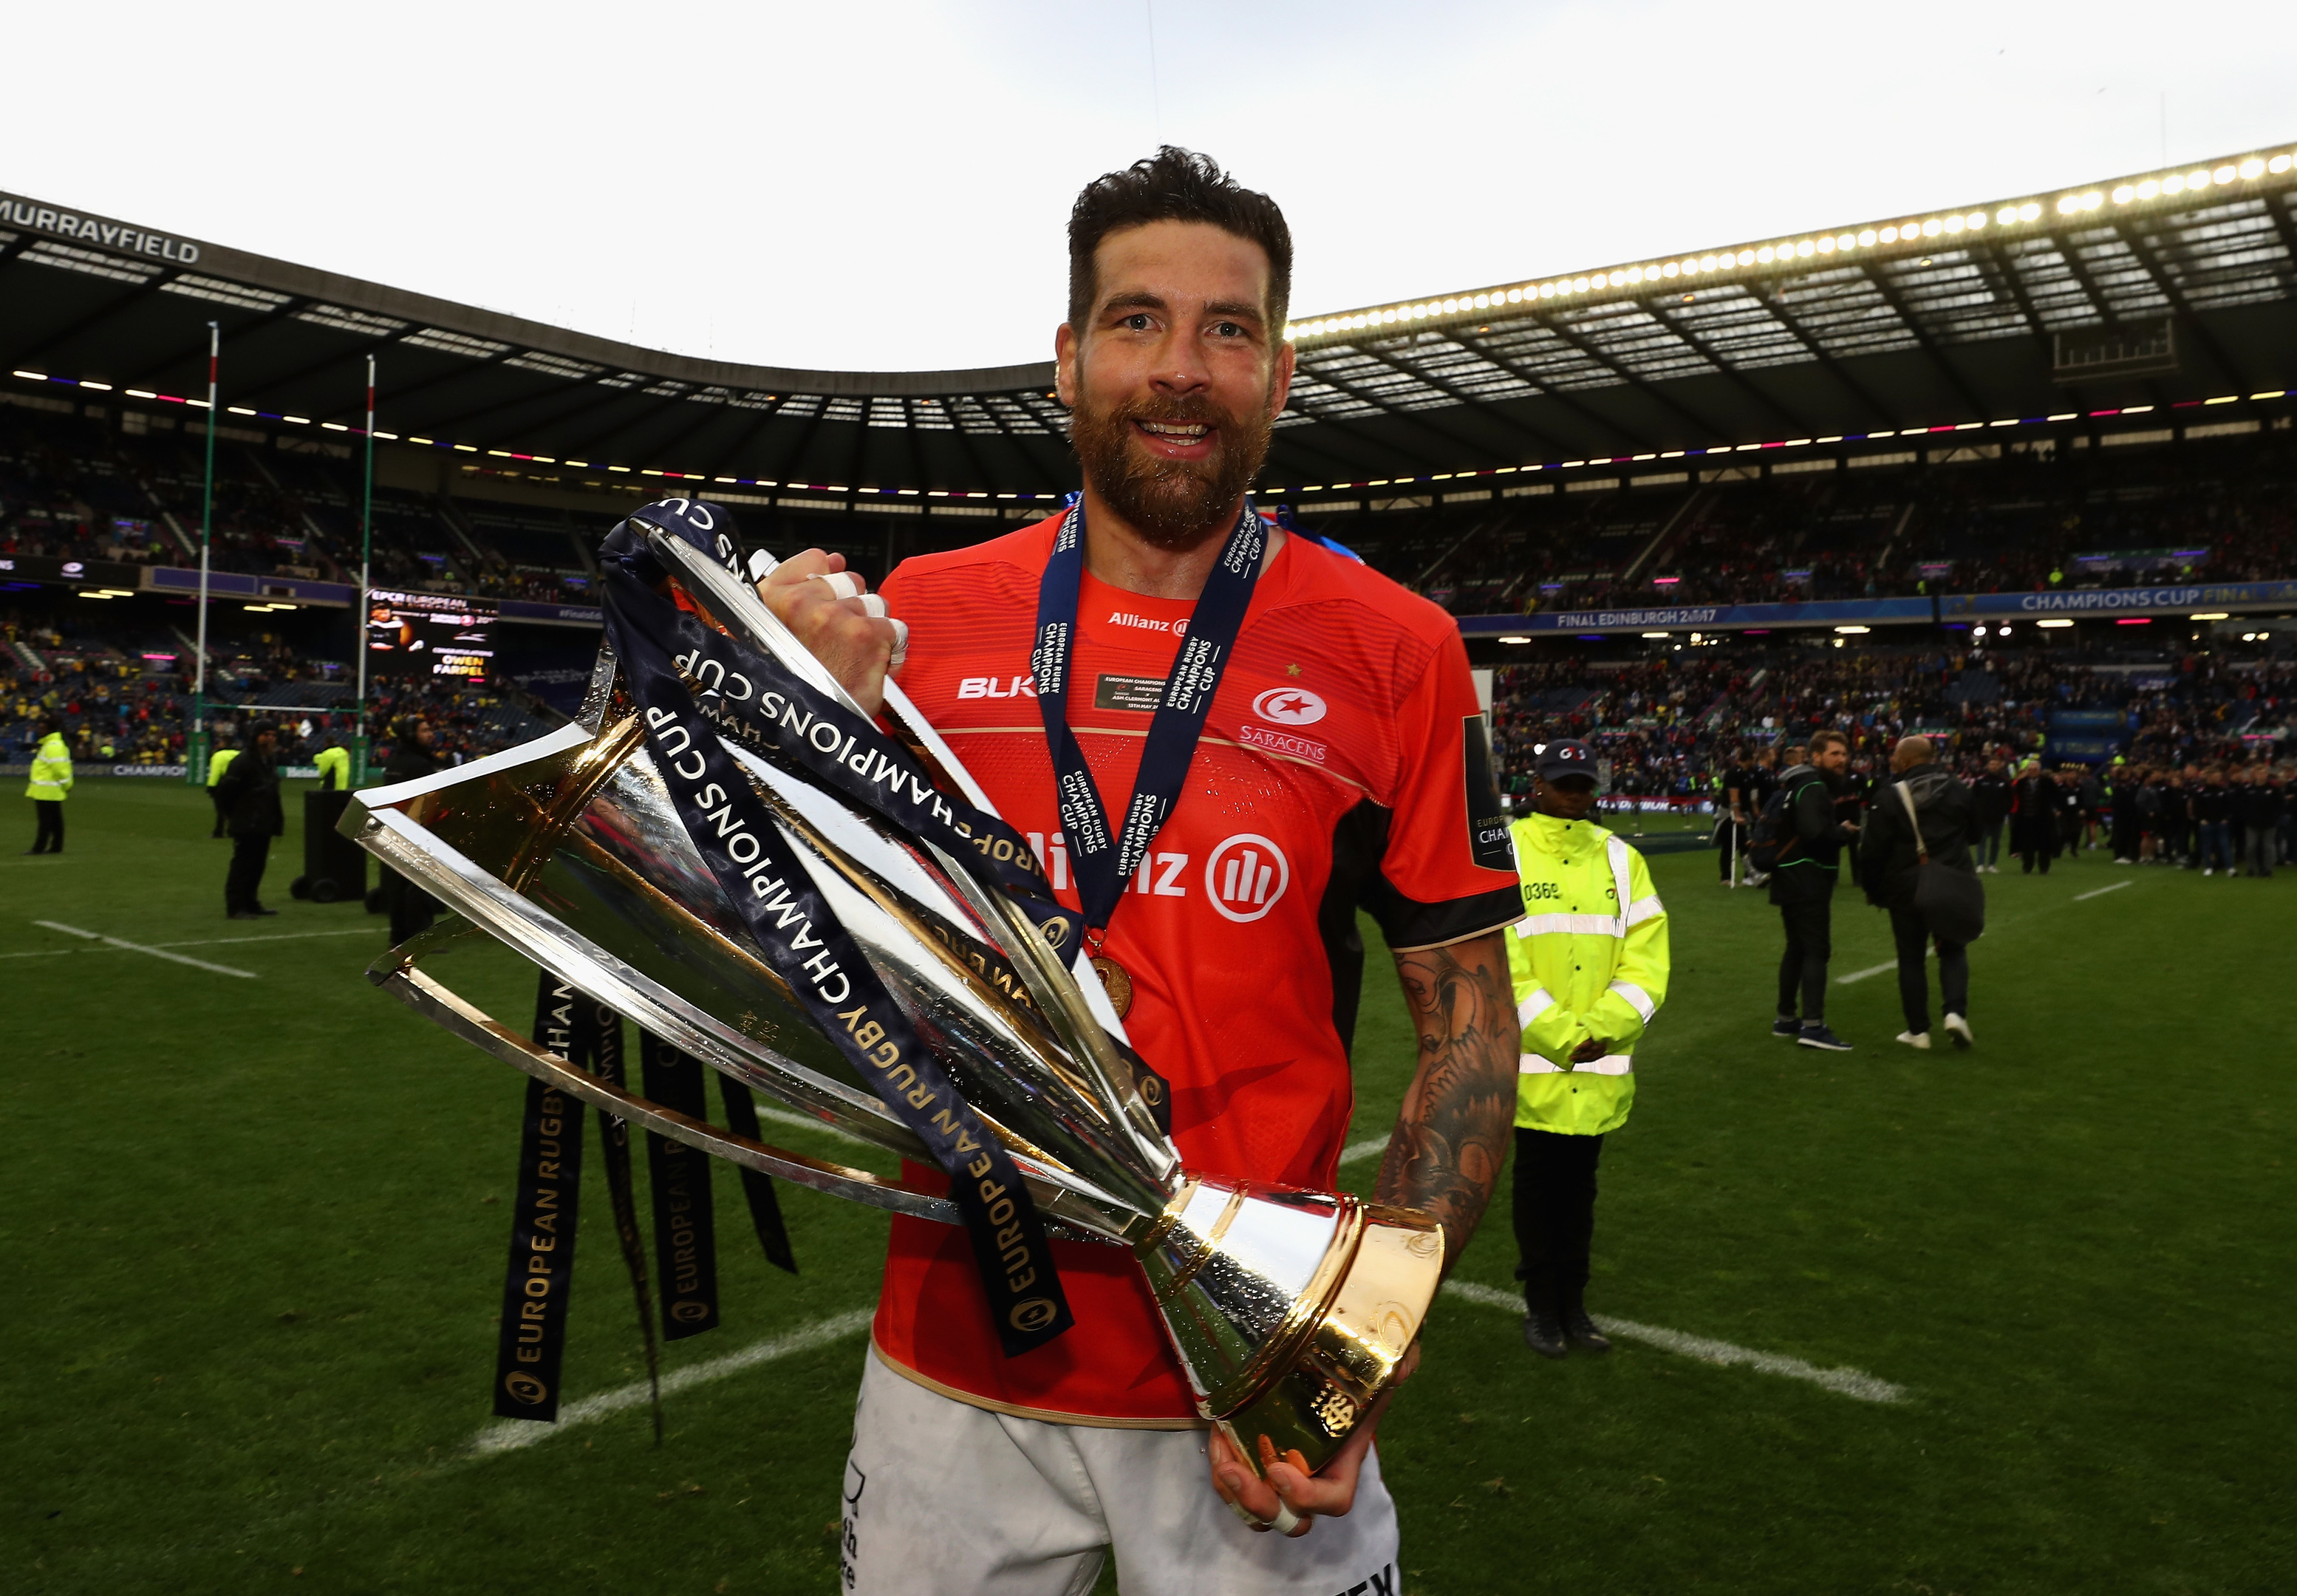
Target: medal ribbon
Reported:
[(1103, 863), (800, 937)]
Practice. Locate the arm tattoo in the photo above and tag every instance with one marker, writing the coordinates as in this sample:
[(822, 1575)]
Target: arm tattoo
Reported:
[(1451, 1134)]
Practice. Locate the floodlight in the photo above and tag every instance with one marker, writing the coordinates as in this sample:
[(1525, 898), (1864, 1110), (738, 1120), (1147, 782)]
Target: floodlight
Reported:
[(1867, 236), (2124, 194), (1578, 284), (1845, 242), (2006, 215), (2278, 164), (1826, 245), (2209, 615), (1765, 254), (2252, 167), (1515, 296), (2197, 179), (2068, 205), (2173, 185), (1655, 634), (2148, 189), (2224, 174), (1804, 248), (1890, 236), (1852, 631), (2054, 623), (1953, 225), (1974, 220), (1746, 258), (2091, 200), (1671, 268), (2030, 210)]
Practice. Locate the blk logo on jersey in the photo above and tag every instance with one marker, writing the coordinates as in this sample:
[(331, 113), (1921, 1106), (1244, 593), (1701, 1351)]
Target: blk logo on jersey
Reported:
[(1288, 706), (1246, 877), (998, 686)]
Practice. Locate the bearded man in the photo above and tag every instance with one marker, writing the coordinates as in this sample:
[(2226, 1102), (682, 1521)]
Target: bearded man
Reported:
[(1322, 751)]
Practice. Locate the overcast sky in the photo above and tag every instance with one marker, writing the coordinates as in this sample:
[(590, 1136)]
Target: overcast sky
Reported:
[(882, 187)]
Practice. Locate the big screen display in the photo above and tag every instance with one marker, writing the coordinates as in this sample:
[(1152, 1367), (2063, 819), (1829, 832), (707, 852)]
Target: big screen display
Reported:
[(429, 635)]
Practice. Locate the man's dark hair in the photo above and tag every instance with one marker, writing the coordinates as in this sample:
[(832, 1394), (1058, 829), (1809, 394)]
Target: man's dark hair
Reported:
[(1176, 185), (1826, 739), (260, 727)]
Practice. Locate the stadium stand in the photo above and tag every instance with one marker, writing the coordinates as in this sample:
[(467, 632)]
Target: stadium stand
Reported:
[(2075, 398)]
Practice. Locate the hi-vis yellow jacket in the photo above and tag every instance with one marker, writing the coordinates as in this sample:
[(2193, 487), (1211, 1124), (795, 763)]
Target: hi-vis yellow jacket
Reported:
[(51, 771), (1589, 959)]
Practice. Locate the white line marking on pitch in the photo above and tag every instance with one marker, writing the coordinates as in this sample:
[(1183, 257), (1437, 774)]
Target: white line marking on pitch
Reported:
[(283, 936), (511, 1434), (2117, 886), (113, 942), (1876, 970), (1855, 1384), (1364, 1149)]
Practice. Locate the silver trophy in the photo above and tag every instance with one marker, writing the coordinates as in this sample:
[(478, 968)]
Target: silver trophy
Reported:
[(1289, 1309)]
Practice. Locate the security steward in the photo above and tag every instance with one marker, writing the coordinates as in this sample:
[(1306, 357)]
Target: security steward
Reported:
[(334, 766), (1589, 964), (218, 762), (51, 784)]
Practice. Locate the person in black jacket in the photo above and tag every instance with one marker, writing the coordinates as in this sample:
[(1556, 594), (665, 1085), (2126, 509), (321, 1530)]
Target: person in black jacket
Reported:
[(411, 757), (2256, 807), (1802, 887), (1947, 813), (2033, 818), (1990, 793), (249, 794)]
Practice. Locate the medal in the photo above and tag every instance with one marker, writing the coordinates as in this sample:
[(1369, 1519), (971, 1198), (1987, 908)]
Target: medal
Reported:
[(1117, 980)]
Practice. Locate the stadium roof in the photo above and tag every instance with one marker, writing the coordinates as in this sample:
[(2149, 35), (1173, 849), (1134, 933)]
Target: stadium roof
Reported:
[(2154, 290)]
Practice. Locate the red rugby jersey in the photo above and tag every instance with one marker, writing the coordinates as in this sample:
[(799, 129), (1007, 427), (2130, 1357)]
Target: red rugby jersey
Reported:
[(1334, 771)]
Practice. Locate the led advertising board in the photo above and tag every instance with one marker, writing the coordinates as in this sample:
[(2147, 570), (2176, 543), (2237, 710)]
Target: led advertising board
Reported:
[(429, 635)]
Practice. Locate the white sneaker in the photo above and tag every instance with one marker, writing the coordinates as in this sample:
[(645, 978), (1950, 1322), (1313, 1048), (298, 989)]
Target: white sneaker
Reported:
[(1920, 1040), (1958, 1028), (2209, 872)]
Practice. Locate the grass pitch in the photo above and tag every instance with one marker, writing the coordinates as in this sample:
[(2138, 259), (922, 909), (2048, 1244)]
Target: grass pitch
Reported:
[(251, 1230)]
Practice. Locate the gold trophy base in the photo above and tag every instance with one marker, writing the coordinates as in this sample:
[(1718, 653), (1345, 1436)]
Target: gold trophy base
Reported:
[(1305, 1381)]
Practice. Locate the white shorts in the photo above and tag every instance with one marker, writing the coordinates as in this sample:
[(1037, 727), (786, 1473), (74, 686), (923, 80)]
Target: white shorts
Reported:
[(945, 1498)]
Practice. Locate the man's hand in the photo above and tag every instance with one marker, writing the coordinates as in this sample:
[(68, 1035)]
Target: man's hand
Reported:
[(849, 636), (1286, 1487), (1589, 1050)]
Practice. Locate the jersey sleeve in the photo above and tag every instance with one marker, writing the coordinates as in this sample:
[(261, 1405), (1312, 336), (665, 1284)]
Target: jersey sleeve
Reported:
[(1448, 871)]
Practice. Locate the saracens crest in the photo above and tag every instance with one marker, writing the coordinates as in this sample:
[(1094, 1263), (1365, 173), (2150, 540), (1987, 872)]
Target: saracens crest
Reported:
[(826, 908)]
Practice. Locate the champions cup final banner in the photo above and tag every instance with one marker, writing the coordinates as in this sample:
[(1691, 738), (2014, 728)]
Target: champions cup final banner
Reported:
[(2178, 599)]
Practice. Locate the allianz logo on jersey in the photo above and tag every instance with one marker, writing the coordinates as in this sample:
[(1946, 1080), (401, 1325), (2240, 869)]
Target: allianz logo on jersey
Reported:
[(1149, 623), (998, 686), (1245, 877)]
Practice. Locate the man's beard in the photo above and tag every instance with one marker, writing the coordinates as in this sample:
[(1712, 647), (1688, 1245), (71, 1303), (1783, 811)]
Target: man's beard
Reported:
[(1173, 504)]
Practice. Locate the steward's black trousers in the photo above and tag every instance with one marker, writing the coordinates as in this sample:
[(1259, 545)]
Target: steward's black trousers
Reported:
[(1554, 1216), (49, 838)]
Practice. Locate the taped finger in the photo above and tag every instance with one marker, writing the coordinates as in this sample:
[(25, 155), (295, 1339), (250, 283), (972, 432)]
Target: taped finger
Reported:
[(1286, 1520), (873, 606), (761, 565), (841, 584), (900, 641)]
